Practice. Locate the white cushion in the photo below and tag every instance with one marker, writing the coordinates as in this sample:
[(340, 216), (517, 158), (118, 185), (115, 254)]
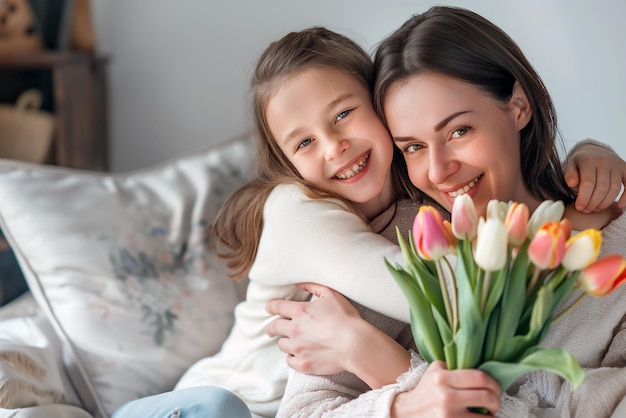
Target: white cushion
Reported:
[(124, 268)]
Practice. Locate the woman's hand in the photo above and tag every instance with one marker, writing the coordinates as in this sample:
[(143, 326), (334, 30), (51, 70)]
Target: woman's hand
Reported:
[(328, 336), (317, 336), (448, 393), (599, 174)]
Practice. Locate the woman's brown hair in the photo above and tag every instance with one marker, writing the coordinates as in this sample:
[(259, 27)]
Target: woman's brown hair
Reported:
[(461, 44), (238, 225)]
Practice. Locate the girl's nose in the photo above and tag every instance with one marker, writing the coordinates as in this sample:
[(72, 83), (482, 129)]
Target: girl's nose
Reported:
[(442, 164), (334, 147)]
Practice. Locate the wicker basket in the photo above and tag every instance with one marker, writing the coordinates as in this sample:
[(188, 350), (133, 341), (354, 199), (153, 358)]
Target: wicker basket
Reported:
[(26, 132)]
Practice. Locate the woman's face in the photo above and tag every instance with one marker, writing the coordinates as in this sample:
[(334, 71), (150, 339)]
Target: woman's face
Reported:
[(458, 139), (324, 122)]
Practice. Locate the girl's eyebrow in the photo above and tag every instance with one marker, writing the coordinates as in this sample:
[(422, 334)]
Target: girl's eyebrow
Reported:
[(330, 106), (339, 99)]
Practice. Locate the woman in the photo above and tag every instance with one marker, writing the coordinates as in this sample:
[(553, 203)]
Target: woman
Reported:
[(472, 116)]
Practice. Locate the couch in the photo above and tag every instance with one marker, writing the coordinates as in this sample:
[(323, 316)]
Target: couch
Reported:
[(125, 291)]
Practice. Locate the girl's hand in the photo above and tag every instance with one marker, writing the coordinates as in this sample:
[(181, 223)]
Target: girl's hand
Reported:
[(317, 336), (448, 393), (599, 174)]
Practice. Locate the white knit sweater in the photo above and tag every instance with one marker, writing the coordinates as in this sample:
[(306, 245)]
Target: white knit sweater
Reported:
[(303, 240), (594, 333)]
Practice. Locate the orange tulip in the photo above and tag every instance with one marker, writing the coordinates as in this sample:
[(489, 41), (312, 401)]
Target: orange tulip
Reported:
[(432, 237), (604, 276), (547, 247)]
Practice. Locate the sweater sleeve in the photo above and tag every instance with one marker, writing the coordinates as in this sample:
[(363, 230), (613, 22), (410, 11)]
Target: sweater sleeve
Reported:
[(344, 395), (322, 241)]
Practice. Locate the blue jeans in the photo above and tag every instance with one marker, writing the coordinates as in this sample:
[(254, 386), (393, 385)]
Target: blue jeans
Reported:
[(196, 402)]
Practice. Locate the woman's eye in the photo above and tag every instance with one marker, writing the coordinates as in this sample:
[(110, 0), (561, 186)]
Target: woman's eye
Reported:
[(413, 148), (461, 131), (305, 143), (343, 114)]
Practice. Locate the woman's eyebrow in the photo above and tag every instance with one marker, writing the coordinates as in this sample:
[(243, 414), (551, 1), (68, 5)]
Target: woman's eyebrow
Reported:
[(447, 120), (438, 127)]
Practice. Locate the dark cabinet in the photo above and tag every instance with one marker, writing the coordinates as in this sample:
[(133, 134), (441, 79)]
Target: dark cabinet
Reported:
[(77, 96)]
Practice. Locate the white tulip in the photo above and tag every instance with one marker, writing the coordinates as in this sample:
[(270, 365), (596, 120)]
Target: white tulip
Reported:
[(547, 211), (491, 244)]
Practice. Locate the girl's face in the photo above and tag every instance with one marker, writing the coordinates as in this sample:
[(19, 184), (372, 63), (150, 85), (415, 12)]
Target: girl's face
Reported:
[(458, 139), (324, 122)]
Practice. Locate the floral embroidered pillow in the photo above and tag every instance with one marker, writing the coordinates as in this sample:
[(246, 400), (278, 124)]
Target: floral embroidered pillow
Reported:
[(124, 267)]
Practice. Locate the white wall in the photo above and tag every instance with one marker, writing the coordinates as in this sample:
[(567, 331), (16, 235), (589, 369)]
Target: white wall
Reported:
[(179, 70)]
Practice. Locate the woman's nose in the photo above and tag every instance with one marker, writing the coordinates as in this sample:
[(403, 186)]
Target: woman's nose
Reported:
[(442, 164)]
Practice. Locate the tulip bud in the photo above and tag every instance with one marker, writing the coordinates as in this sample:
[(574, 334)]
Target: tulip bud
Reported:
[(582, 249), (547, 211), (431, 236), (497, 209), (547, 247), (604, 276), (516, 222), (491, 244), (464, 217)]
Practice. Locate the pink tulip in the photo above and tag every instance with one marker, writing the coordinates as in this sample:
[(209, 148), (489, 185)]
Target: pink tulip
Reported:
[(464, 217), (547, 247), (516, 222), (431, 236), (604, 276)]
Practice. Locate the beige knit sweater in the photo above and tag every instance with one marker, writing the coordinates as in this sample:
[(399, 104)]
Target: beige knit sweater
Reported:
[(595, 334)]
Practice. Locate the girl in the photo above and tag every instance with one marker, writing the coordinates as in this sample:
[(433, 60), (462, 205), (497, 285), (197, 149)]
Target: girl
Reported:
[(472, 116), (320, 140)]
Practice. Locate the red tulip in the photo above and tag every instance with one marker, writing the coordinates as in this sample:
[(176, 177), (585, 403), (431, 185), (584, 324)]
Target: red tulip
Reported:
[(604, 276)]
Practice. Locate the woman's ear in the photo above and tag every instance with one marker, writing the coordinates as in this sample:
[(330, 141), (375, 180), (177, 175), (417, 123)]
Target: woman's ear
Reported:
[(520, 107)]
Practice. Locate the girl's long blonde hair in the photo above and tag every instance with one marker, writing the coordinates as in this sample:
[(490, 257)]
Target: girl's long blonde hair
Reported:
[(238, 225)]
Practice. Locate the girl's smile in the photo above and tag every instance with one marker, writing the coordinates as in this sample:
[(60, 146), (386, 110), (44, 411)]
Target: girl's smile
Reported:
[(357, 167)]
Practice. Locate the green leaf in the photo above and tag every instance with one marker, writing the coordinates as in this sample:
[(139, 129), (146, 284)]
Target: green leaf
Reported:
[(542, 309), (498, 281), (492, 335), (423, 324), (512, 303), (421, 271), (464, 254), (554, 360), (470, 336)]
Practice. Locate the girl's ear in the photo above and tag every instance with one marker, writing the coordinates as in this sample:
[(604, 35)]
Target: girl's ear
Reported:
[(520, 107)]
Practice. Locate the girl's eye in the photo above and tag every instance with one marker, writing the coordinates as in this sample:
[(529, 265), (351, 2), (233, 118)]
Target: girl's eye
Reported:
[(343, 114), (461, 131), (305, 143), (412, 148)]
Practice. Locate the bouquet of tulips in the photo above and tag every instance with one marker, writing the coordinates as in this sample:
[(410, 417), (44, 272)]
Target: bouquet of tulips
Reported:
[(494, 308)]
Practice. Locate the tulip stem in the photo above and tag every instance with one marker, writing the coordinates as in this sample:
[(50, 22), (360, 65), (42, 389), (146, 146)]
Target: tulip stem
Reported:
[(454, 301), (446, 297), (533, 281), (568, 309), (485, 290)]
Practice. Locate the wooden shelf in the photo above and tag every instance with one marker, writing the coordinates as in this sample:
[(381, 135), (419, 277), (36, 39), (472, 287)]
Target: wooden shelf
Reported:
[(45, 59), (79, 104)]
